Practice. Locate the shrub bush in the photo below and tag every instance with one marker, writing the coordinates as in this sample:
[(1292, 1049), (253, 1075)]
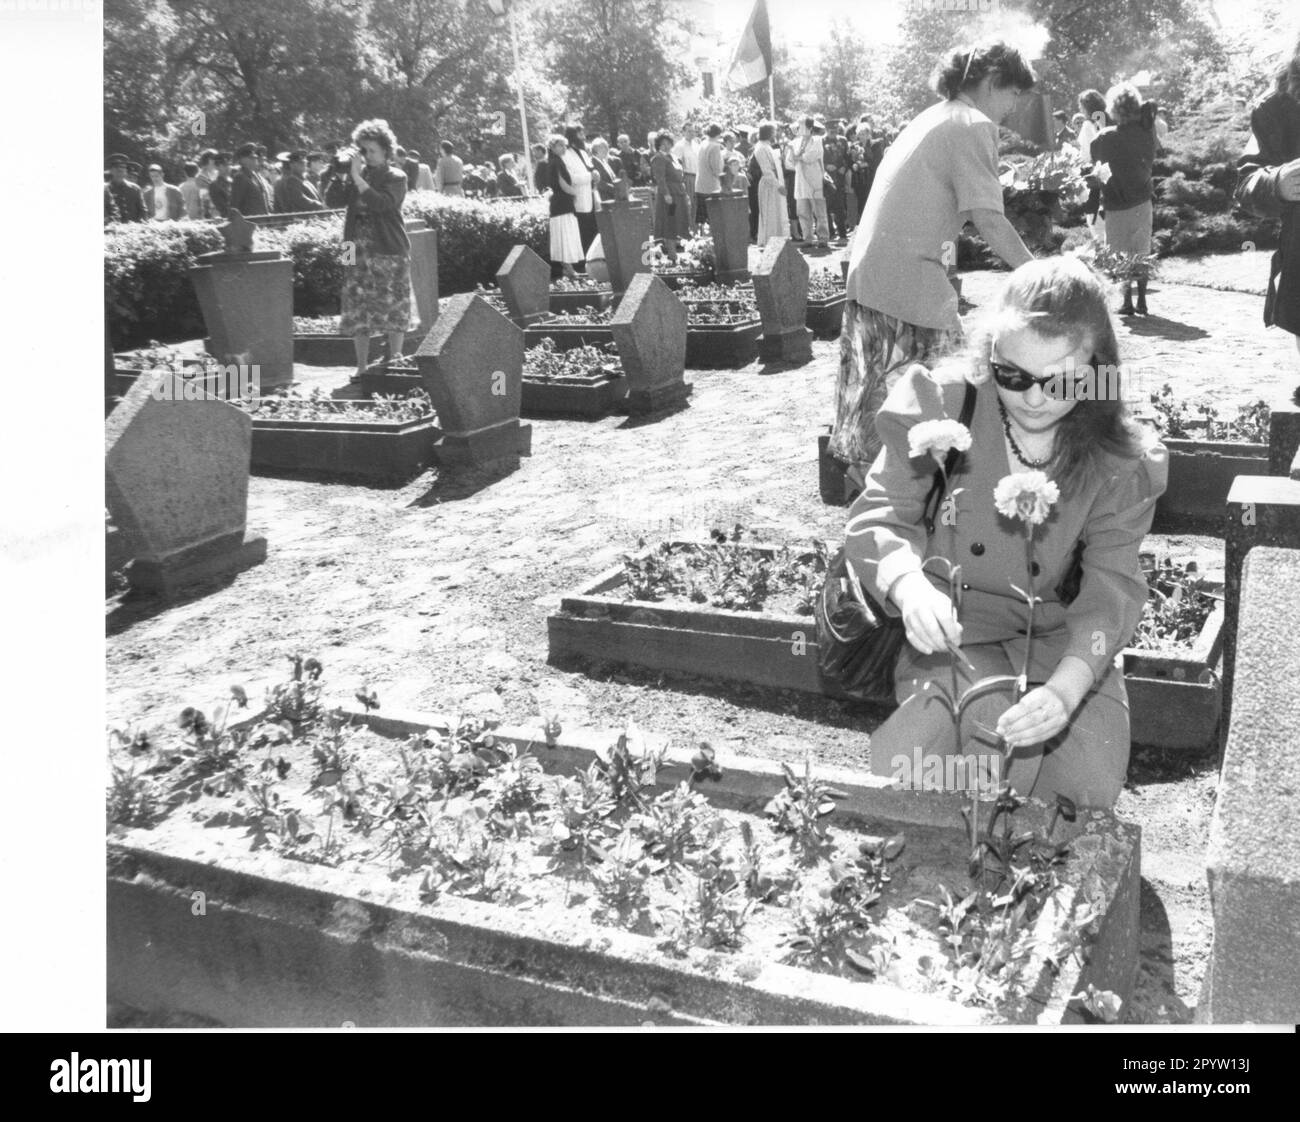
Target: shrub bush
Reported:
[(147, 290), (148, 294), (474, 237)]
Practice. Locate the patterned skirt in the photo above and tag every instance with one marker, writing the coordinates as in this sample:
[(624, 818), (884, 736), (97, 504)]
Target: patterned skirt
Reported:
[(875, 350), (377, 293)]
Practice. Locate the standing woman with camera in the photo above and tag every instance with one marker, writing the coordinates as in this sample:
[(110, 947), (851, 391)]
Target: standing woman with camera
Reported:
[(377, 285)]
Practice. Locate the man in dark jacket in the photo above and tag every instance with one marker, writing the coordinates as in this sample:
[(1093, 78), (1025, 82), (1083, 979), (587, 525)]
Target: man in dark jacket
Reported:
[(250, 194), (294, 193), (122, 201), (1268, 185)]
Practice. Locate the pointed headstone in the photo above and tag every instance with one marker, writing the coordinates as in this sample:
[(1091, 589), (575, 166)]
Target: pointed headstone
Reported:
[(525, 282), (729, 224), (625, 236), (781, 291), (472, 363), (649, 330), (176, 478)]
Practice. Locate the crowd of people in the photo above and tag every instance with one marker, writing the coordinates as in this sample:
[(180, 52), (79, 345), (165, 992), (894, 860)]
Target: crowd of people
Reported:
[(295, 181)]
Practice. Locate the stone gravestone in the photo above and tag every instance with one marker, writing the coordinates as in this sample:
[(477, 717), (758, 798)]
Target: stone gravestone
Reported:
[(1253, 860), (424, 271), (781, 291), (649, 330), (472, 363), (625, 236), (247, 302), (729, 224), (525, 282), (177, 484)]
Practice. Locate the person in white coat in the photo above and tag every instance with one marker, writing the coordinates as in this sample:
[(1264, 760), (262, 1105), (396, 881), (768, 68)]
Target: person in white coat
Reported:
[(773, 220)]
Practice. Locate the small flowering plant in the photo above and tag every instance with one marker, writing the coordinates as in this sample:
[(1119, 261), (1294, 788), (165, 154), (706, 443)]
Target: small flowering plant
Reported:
[(1027, 496)]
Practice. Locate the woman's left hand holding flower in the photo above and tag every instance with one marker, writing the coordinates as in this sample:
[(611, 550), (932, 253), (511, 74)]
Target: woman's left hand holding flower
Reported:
[(1036, 717)]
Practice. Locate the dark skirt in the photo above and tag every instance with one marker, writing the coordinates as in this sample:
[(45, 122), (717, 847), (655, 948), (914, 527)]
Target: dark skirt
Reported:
[(674, 225), (586, 229)]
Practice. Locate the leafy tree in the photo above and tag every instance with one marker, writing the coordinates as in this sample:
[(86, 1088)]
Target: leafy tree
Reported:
[(729, 109), (619, 59), (278, 73)]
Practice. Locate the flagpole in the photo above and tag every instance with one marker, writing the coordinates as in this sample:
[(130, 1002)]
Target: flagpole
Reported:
[(519, 88), (771, 94)]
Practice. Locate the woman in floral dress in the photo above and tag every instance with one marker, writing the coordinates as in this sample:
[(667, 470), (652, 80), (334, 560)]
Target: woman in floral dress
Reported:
[(377, 295)]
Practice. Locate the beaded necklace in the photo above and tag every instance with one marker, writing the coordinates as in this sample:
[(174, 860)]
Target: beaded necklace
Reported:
[(1015, 448)]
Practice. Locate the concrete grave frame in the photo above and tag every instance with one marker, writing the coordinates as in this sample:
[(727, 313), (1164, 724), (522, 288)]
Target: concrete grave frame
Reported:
[(1174, 699), (282, 943)]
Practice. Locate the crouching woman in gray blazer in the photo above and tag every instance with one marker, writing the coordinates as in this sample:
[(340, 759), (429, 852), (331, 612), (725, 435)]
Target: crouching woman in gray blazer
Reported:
[(1048, 411)]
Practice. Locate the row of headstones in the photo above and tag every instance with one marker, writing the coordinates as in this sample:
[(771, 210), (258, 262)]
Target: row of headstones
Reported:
[(780, 291), (470, 361)]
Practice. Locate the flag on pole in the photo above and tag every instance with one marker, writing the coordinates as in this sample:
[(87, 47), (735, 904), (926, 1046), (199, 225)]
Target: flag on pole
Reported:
[(752, 61)]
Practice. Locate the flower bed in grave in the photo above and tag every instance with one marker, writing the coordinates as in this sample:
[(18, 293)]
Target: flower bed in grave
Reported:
[(385, 440), (1206, 453), (388, 868), (585, 381), (736, 611), (571, 294), (581, 328), (317, 342)]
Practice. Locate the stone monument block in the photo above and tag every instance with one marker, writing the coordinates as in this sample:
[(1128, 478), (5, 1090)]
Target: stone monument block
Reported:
[(471, 362), (649, 330), (525, 282), (176, 476), (424, 271), (1283, 435), (247, 302), (1261, 510), (781, 292), (729, 223), (1253, 862), (624, 229)]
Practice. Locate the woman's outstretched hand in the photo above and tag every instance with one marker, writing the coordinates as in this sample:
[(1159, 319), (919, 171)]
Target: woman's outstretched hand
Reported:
[(1036, 717), (927, 613)]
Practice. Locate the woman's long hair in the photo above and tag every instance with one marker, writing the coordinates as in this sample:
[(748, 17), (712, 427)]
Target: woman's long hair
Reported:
[(1288, 75), (1062, 296)]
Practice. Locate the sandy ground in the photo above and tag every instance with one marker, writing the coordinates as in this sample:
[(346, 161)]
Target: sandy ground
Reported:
[(436, 594)]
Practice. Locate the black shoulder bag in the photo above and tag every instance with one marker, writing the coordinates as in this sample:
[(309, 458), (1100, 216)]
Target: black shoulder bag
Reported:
[(857, 643)]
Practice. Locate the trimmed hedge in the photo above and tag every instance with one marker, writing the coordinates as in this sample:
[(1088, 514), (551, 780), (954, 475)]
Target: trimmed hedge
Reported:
[(147, 289)]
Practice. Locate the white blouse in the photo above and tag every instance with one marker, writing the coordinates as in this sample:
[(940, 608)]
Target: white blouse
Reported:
[(580, 178)]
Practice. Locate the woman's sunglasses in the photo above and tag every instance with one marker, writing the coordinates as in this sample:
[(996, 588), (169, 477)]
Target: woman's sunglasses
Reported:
[(1011, 377)]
